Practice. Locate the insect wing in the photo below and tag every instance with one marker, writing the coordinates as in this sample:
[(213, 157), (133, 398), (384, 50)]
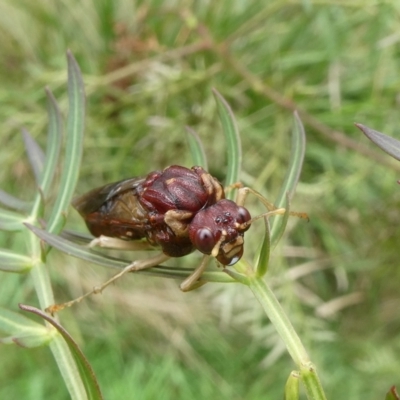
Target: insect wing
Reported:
[(114, 210), (91, 201)]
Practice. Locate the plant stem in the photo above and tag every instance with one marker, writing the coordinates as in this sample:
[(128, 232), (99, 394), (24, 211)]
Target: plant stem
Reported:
[(58, 346), (311, 382), (285, 329)]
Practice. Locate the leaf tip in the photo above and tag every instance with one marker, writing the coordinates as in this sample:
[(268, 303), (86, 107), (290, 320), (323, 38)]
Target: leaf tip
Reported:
[(359, 126), (218, 95)]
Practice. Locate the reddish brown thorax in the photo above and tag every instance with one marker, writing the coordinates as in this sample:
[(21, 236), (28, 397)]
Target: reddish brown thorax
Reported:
[(178, 188)]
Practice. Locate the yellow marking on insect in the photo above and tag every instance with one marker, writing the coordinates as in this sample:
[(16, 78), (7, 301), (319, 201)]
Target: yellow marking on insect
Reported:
[(232, 248), (170, 181), (217, 246)]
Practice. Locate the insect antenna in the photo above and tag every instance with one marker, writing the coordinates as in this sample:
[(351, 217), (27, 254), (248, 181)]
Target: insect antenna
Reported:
[(273, 210), (277, 211)]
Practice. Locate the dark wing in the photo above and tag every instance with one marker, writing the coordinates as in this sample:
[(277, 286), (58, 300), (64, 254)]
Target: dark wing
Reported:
[(114, 210), (93, 200)]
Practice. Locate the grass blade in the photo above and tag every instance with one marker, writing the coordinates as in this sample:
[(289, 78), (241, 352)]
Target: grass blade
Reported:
[(292, 386), (293, 172), (35, 154), (75, 130), (280, 225), (23, 331), (388, 144), (263, 260), (29, 340), (13, 262), (311, 382), (85, 370), (296, 162), (54, 142), (13, 202), (12, 322), (234, 149), (77, 250), (196, 148), (76, 237), (10, 220)]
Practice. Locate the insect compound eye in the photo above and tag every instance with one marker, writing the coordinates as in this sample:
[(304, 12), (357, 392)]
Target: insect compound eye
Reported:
[(243, 216), (204, 240)]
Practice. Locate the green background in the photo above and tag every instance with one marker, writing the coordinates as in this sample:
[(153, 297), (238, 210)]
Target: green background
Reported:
[(148, 68)]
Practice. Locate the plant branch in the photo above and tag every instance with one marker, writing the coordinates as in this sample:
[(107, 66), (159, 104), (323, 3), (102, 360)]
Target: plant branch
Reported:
[(285, 329)]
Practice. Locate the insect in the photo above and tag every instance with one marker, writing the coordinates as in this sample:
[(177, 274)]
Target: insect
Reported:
[(178, 210)]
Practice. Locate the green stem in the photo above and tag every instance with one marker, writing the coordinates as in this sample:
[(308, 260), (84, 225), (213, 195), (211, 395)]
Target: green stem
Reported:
[(279, 319), (58, 346), (39, 273), (311, 382), (285, 329), (68, 368)]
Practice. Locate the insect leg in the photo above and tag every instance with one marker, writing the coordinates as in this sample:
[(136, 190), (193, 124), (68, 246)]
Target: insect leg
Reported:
[(135, 266), (120, 244), (177, 221), (191, 282)]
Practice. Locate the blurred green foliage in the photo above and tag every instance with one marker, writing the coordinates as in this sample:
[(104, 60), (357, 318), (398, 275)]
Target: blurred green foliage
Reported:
[(149, 67)]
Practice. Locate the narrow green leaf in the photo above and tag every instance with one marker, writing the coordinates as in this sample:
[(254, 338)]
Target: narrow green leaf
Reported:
[(35, 154), (74, 144), (23, 331), (12, 322), (238, 277), (76, 250), (293, 172), (29, 340), (279, 319), (311, 382), (388, 144), (280, 225), (13, 202), (232, 137), (292, 387), (54, 142), (263, 260), (196, 148), (219, 276), (76, 237), (10, 220), (13, 262), (85, 370)]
